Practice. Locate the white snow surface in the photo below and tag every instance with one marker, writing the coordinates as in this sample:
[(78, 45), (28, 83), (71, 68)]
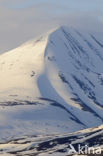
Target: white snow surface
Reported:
[(52, 145), (52, 84)]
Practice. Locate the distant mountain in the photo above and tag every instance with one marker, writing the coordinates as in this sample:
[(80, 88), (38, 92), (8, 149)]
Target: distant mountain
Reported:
[(53, 84)]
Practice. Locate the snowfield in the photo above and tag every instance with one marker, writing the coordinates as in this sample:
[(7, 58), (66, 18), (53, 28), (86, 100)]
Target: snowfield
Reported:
[(52, 85), (56, 145)]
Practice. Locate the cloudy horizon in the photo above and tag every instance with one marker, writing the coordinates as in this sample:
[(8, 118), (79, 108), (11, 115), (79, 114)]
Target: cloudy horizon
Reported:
[(22, 20)]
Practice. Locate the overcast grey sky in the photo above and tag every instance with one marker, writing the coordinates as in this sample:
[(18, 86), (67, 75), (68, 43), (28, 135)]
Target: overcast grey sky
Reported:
[(21, 20)]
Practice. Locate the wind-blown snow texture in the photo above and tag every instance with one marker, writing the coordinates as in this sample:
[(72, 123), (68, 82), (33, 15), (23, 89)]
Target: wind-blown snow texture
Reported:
[(51, 85)]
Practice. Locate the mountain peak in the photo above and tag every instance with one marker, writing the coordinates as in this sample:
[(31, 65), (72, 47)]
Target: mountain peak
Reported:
[(58, 72)]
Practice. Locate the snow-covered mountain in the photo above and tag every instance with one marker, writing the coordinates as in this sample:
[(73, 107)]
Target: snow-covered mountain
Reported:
[(52, 84)]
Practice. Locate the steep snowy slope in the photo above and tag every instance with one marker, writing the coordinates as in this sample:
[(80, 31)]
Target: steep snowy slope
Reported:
[(53, 84)]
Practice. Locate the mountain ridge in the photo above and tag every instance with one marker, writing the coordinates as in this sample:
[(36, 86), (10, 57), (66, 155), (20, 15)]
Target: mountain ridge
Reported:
[(57, 79)]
